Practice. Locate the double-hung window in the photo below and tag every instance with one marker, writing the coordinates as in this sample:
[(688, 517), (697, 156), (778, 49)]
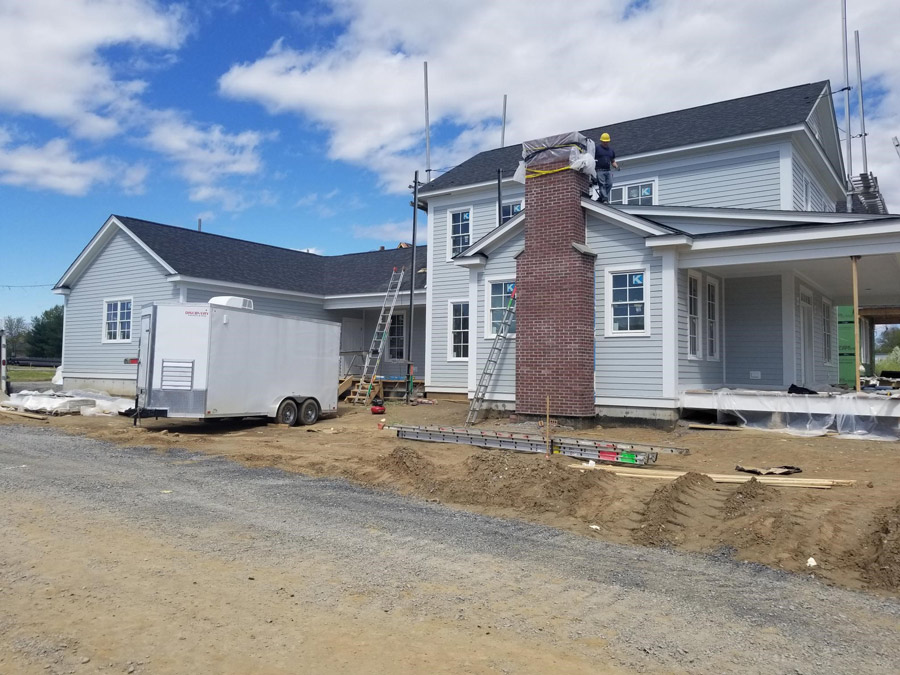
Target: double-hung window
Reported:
[(626, 308), (117, 320), (712, 319), (507, 211), (827, 331), (693, 301), (635, 194), (460, 231), (501, 295), (396, 338), (459, 330)]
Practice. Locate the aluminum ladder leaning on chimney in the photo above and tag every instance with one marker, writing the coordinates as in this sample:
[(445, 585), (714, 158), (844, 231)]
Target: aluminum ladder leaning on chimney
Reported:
[(363, 392), (492, 360)]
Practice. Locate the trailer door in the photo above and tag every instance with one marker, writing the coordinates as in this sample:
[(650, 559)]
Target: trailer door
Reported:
[(145, 360)]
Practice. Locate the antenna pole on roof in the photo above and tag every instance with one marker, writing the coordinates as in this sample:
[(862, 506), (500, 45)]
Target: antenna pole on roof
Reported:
[(199, 224), (499, 197), (846, 91), (412, 288), (427, 133), (862, 113), (503, 125)]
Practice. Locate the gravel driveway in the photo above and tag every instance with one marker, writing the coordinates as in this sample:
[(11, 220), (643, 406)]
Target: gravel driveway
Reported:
[(495, 595)]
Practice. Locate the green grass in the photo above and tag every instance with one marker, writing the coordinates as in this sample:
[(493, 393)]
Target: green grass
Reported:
[(26, 374)]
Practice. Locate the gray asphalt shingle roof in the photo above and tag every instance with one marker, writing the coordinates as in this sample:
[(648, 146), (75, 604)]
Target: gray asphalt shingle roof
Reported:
[(212, 256), (725, 119)]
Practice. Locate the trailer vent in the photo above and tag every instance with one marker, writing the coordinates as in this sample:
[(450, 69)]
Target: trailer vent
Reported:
[(178, 375)]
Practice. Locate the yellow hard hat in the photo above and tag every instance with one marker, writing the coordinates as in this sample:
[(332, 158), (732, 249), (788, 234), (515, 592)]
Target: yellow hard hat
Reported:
[(604, 137)]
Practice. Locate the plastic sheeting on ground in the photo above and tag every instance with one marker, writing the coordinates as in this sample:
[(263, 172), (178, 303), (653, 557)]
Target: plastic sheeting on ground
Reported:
[(85, 402), (849, 415)]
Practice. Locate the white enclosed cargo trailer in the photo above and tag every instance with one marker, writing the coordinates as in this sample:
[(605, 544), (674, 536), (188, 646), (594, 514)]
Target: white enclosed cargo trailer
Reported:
[(223, 359)]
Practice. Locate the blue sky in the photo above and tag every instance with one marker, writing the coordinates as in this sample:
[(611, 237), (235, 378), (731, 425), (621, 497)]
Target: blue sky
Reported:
[(300, 124)]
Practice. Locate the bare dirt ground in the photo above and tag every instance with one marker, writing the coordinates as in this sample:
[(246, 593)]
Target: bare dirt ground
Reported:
[(853, 533)]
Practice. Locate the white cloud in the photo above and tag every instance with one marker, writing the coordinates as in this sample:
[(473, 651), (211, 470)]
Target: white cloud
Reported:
[(390, 233), (56, 167), (562, 70), (50, 56), (319, 203), (311, 249)]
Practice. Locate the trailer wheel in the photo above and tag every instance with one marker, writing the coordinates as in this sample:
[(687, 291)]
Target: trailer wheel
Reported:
[(288, 413), (309, 411)]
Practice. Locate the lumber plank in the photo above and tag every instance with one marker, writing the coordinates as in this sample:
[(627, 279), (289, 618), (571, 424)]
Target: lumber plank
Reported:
[(663, 474), (716, 427), (30, 416)]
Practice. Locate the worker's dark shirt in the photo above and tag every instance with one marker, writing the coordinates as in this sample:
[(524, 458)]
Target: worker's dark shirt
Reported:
[(604, 157)]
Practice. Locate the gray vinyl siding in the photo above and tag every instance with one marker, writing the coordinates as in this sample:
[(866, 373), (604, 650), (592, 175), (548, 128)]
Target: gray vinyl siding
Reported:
[(121, 270), (449, 282), (801, 175), (501, 267), (753, 331), (311, 309), (703, 372), (751, 181), (626, 366)]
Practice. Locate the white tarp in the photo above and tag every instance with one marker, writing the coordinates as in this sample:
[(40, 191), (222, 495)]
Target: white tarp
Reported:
[(85, 402)]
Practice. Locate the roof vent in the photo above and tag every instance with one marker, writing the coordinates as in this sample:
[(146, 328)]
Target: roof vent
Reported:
[(231, 301)]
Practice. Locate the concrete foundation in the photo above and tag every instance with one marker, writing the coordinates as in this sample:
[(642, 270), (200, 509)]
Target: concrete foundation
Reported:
[(124, 388), (664, 419)]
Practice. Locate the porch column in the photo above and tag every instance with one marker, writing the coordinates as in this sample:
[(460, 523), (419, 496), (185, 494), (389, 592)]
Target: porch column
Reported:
[(669, 324)]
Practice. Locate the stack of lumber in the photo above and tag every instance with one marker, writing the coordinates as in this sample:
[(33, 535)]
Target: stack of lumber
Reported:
[(662, 474)]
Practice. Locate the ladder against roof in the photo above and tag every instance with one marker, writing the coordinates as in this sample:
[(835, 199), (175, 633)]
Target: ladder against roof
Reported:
[(366, 387), (492, 360)]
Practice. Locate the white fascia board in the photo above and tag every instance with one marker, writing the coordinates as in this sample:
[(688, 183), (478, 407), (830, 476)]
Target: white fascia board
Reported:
[(62, 291), (824, 233), (366, 300), (215, 283), (737, 215), (814, 142), (460, 189), (496, 237), (669, 240), (634, 223), (471, 261)]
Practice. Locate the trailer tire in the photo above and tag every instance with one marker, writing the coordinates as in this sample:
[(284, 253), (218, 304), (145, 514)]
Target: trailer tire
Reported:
[(309, 411), (288, 413)]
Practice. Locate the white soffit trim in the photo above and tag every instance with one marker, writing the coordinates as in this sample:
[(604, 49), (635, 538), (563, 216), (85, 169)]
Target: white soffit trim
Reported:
[(631, 222), (825, 232), (470, 261), (733, 215), (496, 237), (216, 283)]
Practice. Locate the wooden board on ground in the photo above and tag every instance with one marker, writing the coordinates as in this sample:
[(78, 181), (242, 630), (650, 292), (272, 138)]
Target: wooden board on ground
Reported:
[(23, 414), (716, 427), (662, 474)]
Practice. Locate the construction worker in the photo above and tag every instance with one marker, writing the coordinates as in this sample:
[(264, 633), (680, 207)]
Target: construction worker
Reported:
[(606, 162)]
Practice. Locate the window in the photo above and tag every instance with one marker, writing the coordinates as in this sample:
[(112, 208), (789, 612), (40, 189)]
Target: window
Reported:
[(459, 231), (507, 211), (693, 316), (396, 342), (501, 293), (459, 330), (712, 319), (827, 330), (626, 309), (117, 321), (638, 193)]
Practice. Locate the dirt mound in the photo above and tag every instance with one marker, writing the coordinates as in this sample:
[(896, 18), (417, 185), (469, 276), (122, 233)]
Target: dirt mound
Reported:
[(880, 554), (747, 498), (660, 523), (406, 462), (531, 482)]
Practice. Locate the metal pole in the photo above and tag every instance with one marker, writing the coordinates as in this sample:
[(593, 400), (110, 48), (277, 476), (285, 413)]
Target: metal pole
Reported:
[(503, 126), (499, 197), (862, 112), (853, 260), (3, 379), (846, 93), (412, 289), (427, 132), (199, 224)]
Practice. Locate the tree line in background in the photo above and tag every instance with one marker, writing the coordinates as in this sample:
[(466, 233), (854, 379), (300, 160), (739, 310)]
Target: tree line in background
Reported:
[(39, 338)]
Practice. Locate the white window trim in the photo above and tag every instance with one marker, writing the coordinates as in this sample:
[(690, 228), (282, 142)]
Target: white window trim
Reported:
[(506, 202), (387, 346), (450, 212), (450, 304), (831, 333), (710, 281), (103, 338), (607, 302), (700, 315), (488, 324), (624, 185)]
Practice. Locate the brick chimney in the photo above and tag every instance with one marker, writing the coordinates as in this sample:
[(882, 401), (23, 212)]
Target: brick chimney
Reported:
[(555, 301)]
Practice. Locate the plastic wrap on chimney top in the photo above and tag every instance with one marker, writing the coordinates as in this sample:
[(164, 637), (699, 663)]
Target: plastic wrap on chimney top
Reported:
[(572, 147)]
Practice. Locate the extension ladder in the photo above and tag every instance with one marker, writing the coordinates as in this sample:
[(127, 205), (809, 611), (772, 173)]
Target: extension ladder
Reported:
[(363, 392), (492, 360)]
